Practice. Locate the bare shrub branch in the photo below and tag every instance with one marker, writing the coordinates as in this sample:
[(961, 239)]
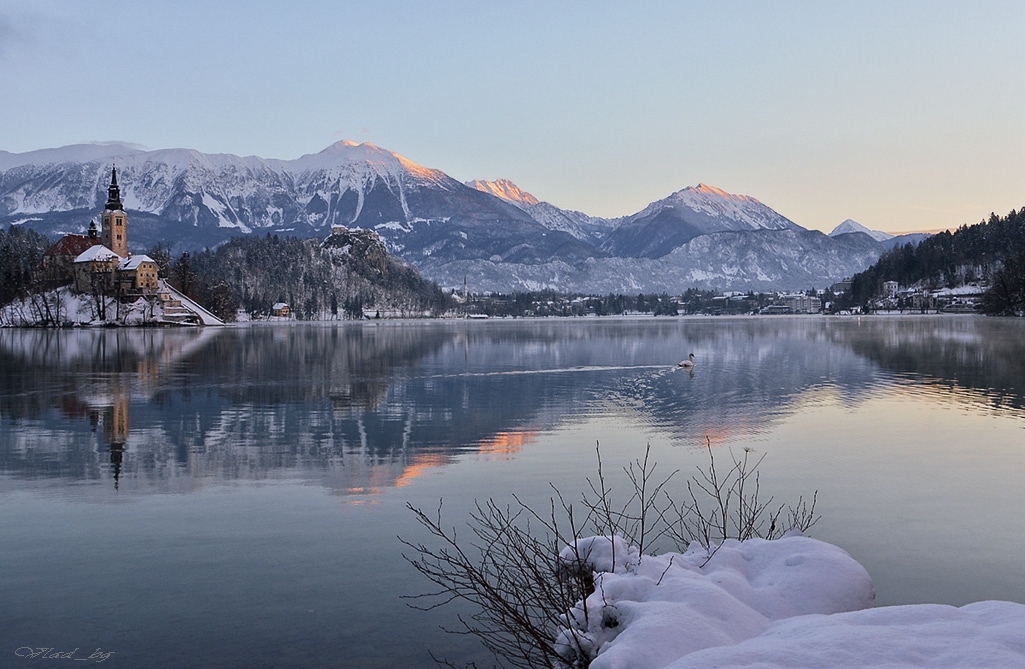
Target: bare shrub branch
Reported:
[(529, 574)]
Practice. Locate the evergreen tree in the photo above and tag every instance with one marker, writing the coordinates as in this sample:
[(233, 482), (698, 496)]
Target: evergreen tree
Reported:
[(21, 254), (1006, 296), (971, 253)]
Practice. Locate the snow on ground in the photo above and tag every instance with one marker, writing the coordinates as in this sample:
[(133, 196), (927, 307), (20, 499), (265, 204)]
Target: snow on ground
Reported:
[(791, 602), (967, 289), (65, 306), (983, 634)]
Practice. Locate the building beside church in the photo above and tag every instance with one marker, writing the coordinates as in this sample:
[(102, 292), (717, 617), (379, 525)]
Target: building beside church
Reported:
[(95, 270), (138, 273)]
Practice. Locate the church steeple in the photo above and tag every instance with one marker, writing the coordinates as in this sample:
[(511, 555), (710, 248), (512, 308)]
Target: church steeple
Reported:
[(113, 192), (114, 220)]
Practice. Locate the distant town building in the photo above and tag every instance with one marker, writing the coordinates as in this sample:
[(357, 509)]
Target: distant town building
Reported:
[(733, 303), (890, 288), (280, 309), (802, 304), (841, 286)]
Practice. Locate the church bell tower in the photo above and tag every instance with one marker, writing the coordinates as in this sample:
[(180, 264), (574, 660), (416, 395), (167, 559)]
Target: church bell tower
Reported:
[(115, 220)]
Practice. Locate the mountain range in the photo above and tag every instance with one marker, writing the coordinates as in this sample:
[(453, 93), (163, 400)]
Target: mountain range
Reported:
[(491, 234)]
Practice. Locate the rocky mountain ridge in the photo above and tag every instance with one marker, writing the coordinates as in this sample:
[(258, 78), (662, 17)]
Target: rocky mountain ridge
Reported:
[(501, 237)]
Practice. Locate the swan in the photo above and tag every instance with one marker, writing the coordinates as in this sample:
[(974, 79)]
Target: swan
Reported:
[(689, 362)]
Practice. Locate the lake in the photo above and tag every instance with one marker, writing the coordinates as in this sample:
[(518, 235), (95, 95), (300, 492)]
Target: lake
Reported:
[(233, 496)]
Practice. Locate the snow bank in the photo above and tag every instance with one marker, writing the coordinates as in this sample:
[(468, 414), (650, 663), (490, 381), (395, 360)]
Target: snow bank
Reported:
[(599, 554), (792, 602), (983, 634)]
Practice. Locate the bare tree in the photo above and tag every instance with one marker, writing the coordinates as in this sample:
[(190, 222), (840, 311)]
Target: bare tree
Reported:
[(527, 572)]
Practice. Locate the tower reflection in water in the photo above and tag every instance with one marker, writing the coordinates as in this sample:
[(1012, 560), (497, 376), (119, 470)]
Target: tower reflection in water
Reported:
[(115, 430)]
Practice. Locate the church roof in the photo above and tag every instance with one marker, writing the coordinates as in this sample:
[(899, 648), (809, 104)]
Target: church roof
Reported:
[(133, 262), (98, 252), (72, 245)]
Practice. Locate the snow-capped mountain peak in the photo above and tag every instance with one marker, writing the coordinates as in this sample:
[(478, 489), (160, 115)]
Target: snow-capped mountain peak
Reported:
[(717, 203), (712, 190), (346, 155), (504, 189), (850, 225), (694, 211)]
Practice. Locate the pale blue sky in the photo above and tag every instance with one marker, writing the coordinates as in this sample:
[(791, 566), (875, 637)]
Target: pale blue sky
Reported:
[(901, 115)]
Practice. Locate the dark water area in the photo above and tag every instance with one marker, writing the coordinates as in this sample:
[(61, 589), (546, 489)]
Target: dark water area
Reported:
[(232, 496)]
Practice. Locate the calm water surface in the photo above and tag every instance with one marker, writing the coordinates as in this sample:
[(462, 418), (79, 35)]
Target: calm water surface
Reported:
[(232, 497)]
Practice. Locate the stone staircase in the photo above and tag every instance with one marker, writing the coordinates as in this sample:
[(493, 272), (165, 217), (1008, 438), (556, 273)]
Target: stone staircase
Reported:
[(174, 312), (180, 310)]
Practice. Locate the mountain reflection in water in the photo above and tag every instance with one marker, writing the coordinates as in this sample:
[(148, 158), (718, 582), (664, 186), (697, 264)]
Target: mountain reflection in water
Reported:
[(359, 407)]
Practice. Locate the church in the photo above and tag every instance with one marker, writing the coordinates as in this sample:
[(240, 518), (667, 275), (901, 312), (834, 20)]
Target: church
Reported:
[(102, 263), (99, 264)]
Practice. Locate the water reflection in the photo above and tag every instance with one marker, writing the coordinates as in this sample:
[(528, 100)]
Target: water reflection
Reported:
[(981, 360), (362, 407), (758, 370)]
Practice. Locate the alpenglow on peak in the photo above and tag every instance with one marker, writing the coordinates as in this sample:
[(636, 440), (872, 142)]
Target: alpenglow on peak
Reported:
[(504, 189)]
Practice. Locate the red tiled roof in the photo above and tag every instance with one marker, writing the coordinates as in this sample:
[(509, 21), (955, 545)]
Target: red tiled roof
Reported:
[(72, 245)]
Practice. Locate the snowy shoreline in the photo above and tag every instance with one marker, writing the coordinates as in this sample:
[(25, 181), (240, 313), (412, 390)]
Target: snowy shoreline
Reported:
[(63, 307), (789, 602), (78, 310)]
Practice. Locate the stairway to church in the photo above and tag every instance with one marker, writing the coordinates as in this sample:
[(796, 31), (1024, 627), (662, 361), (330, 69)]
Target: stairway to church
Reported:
[(174, 312)]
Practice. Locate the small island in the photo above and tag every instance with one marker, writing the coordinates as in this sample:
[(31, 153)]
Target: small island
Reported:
[(93, 279)]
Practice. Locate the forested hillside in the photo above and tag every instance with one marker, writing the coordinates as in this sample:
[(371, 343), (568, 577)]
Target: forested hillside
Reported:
[(988, 252), (340, 277)]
